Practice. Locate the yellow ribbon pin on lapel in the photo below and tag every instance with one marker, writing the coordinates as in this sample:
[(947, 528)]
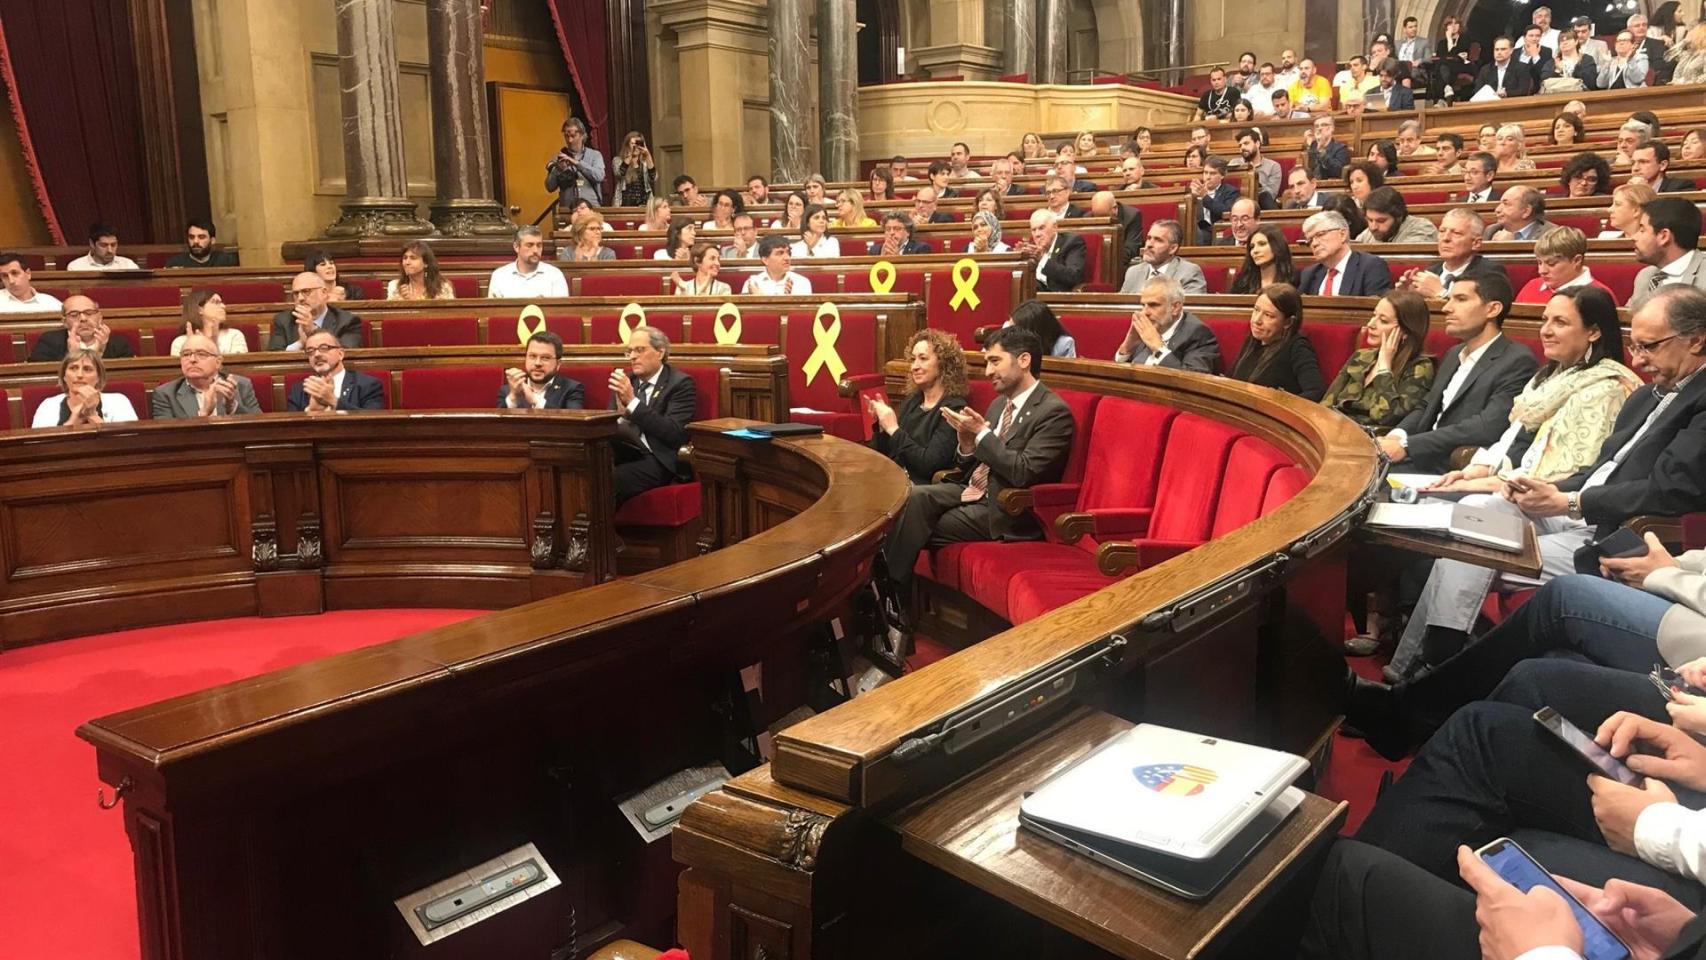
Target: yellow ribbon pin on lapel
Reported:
[(623, 327), (727, 333), (824, 354), (882, 276), (966, 273), (523, 332)]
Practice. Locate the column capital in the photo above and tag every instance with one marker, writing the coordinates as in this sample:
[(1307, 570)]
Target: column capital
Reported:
[(693, 19), (974, 61)]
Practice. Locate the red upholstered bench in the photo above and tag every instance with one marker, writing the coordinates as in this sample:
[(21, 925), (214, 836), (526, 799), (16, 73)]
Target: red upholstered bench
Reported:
[(1334, 343), (620, 284), (676, 505), (429, 331), (605, 326), (1097, 335), (1620, 277), (260, 292), (451, 388), (112, 296), (465, 287)]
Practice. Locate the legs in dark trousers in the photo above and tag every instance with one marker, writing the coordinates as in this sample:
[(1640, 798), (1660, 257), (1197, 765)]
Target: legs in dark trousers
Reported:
[(637, 475), (1585, 693), (933, 516), (1373, 905)]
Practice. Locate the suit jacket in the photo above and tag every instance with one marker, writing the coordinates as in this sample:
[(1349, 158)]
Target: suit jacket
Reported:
[(341, 323), (1540, 69), (1400, 97), (51, 347), (1619, 76), (178, 400), (1456, 53), (912, 246), (1297, 372), (1312, 203), (940, 217), (1214, 206), (662, 418), (360, 392), (562, 393), (1074, 211), (1480, 411), (1188, 274), (1534, 229), (1366, 275), (1065, 267), (1491, 197), (1478, 264), (1035, 451), (1519, 79), (1192, 346), (1695, 276), (1131, 224), (1661, 473), (1419, 54), (1669, 184), (1328, 164)]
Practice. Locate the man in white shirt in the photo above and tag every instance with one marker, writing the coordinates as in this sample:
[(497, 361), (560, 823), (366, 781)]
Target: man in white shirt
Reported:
[(1665, 239), (529, 277), (1260, 94), (1288, 71), (777, 280), (103, 252), (1162, 334), (959, 162), (20, 296)]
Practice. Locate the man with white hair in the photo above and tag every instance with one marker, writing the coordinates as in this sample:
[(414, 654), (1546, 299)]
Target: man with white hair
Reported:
[(1459, 245), (1632, 136), (1339, 271), (1163, 334), (1001, 177), (1627, 69), (1652, 48), (1409, 140), (204, 390), (1060, 256), (1326, 157)]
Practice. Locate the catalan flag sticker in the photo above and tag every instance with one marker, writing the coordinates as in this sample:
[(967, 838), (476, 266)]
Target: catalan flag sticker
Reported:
[(1175, 779)]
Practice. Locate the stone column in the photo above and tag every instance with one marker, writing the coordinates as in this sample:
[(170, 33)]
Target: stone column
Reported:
[(722, 48), (1051, 42), (789, 97), (837, 90), (1021, 36), (958, 31), (377, 195), (461, 136)]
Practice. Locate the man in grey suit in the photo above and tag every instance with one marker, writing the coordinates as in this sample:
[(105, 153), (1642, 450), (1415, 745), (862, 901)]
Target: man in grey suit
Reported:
[(1023, 440), (1160, 259), (1478, 380), (1162, 334), (1665, 239), (204, 390)]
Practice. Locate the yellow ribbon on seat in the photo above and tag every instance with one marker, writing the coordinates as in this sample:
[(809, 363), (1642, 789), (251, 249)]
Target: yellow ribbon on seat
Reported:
[(882, 276), (626, 329), (966, 273), (523, 332), (727, 333), (824, 355)]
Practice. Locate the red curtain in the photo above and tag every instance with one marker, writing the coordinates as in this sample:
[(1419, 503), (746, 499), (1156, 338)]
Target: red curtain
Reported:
[(70, 75), (581, 33)]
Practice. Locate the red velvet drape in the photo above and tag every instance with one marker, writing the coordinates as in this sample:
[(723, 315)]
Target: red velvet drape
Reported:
[(70, 75), (581, 33)]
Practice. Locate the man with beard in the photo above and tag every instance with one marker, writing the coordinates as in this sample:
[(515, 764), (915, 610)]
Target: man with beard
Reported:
[(1389, 220), (198, 248), (332, 387), (1269, 177), (536, 386)]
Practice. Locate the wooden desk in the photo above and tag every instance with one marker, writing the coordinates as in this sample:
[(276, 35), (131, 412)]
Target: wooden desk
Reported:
[(1526, 563), (970, 829)]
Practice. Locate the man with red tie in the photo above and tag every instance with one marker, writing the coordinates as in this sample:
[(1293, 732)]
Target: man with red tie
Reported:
[(1339, 271)]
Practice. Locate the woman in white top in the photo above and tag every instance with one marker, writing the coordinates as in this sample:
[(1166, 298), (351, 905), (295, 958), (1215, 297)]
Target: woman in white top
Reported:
[(1625, 210), (418, 277), (793, 213), (657, 213), (678, 245), (815, 240), (985, 234), (82, 375), (707, 263), (724, 206), (817, 190), (204, 313)]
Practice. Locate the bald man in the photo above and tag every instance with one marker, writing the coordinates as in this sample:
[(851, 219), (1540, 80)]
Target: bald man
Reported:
[(204, 390), (312, 310), (1103, 204), (84, 327)]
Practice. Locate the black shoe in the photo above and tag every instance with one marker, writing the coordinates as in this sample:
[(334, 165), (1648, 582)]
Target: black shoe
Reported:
[(1373, 709)]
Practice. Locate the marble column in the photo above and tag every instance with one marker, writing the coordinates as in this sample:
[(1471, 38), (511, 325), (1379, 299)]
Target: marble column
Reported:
[(1051, 42), (837, 90), (461, 136), (376, 199), (790, 99), (1020, 36)]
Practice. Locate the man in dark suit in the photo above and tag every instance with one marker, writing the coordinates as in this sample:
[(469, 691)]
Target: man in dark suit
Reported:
[(84, 324), (1505, 75), (1057, 198), (1339, 271), (1066, 168), (1651, 162), (1537, 58), (1023, 440), (897, 237), (1324, 157), (1479, 168), (313, 311), (1060, 256), (1130, 219), (536, 385), (657, 401), (1459, 244), (1215, 196), (203, 390), (1302, 192), (924, 207), (332, 387), (1162, 334), (1470, 402)]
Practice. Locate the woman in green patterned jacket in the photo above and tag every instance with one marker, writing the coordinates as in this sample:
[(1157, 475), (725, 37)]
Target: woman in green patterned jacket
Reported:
[(1390, 376)]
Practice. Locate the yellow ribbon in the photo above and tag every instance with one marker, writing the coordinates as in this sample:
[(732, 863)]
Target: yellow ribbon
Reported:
[(623, 327), (965, 282), (727, 333), (882, 276), (824, 354), (523, 332)]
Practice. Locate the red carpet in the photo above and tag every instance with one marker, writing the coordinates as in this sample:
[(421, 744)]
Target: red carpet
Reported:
[(66, 862)]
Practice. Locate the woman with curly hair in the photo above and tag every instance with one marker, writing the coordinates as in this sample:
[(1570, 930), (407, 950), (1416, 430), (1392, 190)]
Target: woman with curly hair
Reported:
[(1585, 175), (917, 436)]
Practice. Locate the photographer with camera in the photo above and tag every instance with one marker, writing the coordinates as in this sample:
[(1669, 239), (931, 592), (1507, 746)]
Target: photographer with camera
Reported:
[(636, 174), (577, 170)]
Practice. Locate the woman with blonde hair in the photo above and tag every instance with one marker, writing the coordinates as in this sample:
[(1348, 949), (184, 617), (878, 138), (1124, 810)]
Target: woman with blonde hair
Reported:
[(586, 238), (850, 210), (1086, 144), (418, 277), (1510, 148), (1625, 210), (917, 436), (658, 213)]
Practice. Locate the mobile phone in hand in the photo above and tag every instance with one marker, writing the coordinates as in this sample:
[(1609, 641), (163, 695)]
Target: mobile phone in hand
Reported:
[(1525, 873), (1622, 544), (1584, 746)]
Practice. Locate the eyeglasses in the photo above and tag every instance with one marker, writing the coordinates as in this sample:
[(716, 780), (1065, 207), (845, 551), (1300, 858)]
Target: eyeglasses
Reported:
[(82, 314), (323, 349), (198, 355), (305, 294), (635, 351), (1636, 346)]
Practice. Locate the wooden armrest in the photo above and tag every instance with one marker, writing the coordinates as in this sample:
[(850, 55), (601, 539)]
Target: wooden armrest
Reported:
[(943, 476), (1461, 456), (1014, 500), (1115, 558), (982, 334), (850, 385), (1071, 527), (1667, 529), (625, 950)]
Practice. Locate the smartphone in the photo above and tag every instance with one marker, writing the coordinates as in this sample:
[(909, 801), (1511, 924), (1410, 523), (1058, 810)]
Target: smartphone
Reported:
[(1524, 873), (1669, 681), (1585, 747), (1622, 544)]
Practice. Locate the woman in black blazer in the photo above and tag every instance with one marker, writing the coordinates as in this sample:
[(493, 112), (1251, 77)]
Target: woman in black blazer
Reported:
[(1573, 63), (1277, 354), (1453, 63), (916, 436)]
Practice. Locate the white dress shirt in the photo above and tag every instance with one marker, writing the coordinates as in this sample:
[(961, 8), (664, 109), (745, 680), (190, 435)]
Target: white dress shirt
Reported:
[(1465, 363), (86, 262), (544, 281), (791, 284), (826, 247), (37, 303), (115, 408), (1018, 404)]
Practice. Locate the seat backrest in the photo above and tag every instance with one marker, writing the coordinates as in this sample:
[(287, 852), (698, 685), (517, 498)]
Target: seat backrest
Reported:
[(139, 294), (1096, 335), (606, 325), (1230, 334), (1123, 464), (1282, 486), (1620, 277), (853, 346), (756, 327), (617, 283), (1093, 256), (430, 331), (595, 378), (958, 315), (1249, 471), (465, 287), (451, 388), (1083, 406), (262, 383), (1193, 467), (707, 385), (1522, 271), (257, 292), (1334, 343)]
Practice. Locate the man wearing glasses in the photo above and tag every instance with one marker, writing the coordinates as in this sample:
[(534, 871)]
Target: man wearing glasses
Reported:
[(332, 387), (1059, 202), (204, 390), (656, 402), (312, 311), (84, 328)]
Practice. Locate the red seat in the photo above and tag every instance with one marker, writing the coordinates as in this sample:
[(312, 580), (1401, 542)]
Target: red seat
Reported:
[(262, 383), (667, 506), (113, 296), (1231, 335), (1286, 483), (1334, 343), (1093, 257), (819, 400), (1522, 271), (1620, 277), (256, 292), (606, 283), (1097, 335), (465, 287), (430, 331), (605, 325), (451, 388)]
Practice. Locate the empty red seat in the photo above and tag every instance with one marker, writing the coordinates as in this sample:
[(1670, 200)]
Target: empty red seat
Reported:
[(607, 283), (1334, 343), (259, 292), (1620, 277), (1230, 334), (262, 383), (606, 325), (667, 506), (429, 331), (451, 388), (465, 287)]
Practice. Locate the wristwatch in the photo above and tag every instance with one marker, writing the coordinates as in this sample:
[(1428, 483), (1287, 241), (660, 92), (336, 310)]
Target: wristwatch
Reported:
[(1575, 506)]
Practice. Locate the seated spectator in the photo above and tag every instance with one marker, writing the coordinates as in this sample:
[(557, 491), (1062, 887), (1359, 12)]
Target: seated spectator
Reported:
[(1566, 131), (1624, 214), (724, 205), (1505, 76), (917, 437), (991, 200), (939, 175), (1520, 215), (82, 377), (686, 191), (1665, 241), (1130, 220), (1389, 220), (1276, 353), (1478, 172), (1267, 261), (924, 208), (1031, 148), (897, 237), (1143, 138), (1218, 100), (678, 243), (1035, 316), (1060, 256), (1303, 193), (777, 278), (745, 243), (103, 252), (1160, 259), (1339, 270), (1628, 66), (1067, 169), (527, 277), (20, 294), (986, 234), (1259, 94), (1488, 138), (1200, 138), (959, 160), (536, 384), (1324, 156), (1384, 155), (1464, 410), (1585, 175), (850, 211), (1633, 134), (1242, 112), (1162, 334), (337, 288), (1195, 154), (418, 276), (84, 329), (1390, 376), (311, 312), (1570, 65), (1392, 94), (1694, 146), (332, 387), (1311, 92), (1214, 195), (1448, 151), (203, 390), (1283, 108), (1651, 165), (1362, 178), (1358, 81), (1344, 206), (586, 238), (1459, 246), (657, 402), (1241, 221), (198, 248), (1510, 149), (1058, 194), (1561, 255), (882, 184), (1001, 177), (707, 263), (815, 240), (1534, 55), (658, 214), (1409, 141), (794, 212), (204, 315), (898, 170)]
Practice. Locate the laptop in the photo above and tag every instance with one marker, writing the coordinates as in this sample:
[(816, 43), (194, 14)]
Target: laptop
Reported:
[(1479, 525)]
